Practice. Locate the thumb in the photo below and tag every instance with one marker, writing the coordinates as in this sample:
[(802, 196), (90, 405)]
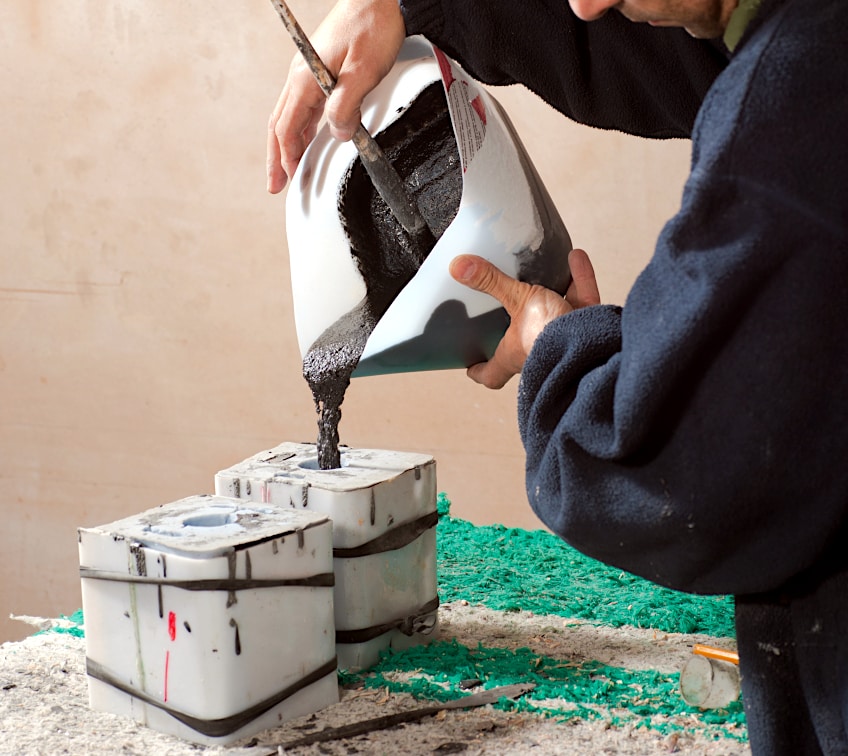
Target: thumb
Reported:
[(583, 290), (481, 275), (343, 111)]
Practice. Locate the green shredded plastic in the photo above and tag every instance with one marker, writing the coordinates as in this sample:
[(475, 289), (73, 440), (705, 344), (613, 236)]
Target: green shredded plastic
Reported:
[(564, 690), (510, 569), (72, 625)]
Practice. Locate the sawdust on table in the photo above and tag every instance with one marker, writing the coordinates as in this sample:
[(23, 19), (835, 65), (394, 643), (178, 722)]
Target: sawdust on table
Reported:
[(44, 702)]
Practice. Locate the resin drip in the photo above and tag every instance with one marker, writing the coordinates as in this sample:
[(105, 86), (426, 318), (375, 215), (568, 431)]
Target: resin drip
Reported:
[(421, 146)]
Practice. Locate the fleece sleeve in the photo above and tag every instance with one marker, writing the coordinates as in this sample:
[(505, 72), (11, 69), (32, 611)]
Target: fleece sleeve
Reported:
[(609, 73), (699, 436)]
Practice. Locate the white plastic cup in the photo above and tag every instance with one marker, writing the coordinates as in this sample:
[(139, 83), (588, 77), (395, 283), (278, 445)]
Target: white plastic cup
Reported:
[(709, 683)]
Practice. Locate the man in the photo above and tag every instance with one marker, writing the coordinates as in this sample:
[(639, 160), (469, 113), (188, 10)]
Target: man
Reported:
[(698, 436)]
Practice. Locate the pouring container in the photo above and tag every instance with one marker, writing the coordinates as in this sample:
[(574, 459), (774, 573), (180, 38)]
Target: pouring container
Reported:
[(475, 184)]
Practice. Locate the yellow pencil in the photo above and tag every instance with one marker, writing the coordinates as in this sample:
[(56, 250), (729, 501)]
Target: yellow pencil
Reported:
[(716, 653)]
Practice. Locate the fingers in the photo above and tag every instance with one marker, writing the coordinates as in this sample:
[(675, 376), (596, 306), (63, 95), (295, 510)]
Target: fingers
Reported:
[(583, 290), (292, 125), (344, 107), (496, 372), (276, 176), (530, 307), (479, 274), (358, 42)]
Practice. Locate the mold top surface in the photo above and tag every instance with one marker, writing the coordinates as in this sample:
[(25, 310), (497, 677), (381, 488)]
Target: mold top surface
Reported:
[(297, 464), (208, 525)]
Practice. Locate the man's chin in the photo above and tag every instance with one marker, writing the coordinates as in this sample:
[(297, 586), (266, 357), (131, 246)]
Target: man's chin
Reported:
[(697, 29), (700, 32)]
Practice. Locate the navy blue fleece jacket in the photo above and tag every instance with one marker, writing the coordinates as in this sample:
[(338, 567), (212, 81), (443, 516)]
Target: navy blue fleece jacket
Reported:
[(662, 435), (698, 436)]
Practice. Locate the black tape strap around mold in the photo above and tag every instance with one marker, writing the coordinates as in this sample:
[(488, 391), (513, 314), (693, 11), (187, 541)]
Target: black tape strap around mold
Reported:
[(213, 728), (391, 540), (417, 622), (322, 580)]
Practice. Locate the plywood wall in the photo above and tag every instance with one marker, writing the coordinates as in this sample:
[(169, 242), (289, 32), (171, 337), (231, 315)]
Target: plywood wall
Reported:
[(146, 335)]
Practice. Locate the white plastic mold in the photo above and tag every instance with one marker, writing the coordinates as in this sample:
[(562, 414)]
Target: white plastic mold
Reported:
[(383, 508), (209, 618)]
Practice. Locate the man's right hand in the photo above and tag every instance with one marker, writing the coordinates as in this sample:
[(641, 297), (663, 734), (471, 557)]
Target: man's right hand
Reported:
[(358, 41)]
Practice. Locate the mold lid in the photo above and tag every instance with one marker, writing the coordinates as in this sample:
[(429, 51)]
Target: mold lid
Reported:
[(205, 525), (297, 464)]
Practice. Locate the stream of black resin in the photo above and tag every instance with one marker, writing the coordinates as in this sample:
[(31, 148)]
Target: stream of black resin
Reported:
[(421, 146)]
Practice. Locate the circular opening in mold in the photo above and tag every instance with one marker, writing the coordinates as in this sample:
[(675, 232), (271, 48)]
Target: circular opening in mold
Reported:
[(210, 520), (312, 464)]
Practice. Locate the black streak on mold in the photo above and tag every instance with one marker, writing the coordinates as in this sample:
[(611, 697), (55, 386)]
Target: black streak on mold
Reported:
[(234, 624), (231, 573), (421, 146)]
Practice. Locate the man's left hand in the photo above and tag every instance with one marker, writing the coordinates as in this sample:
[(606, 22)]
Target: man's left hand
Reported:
[(530, 307)]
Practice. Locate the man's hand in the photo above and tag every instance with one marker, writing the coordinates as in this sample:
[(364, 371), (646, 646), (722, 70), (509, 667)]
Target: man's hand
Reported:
[(530, 309), (358, 41)]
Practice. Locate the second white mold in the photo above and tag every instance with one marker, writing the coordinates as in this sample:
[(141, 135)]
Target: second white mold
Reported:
[(383, 508)]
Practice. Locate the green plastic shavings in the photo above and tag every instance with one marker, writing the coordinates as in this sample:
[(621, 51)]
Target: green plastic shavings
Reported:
[(75, 627), (564, 690), (537, 572)]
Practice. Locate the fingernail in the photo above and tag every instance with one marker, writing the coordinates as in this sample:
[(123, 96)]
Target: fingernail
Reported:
[(342, 133), (463, 268)]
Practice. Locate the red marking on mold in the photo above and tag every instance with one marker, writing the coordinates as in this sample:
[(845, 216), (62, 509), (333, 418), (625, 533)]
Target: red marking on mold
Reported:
[(172, 625), (167, 664)]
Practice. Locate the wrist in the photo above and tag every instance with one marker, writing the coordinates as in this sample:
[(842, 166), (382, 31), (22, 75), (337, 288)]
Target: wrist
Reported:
[(422, 17)]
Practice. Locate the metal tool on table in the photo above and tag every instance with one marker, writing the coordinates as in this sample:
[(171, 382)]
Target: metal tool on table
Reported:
[(485, 697), (383, 175)]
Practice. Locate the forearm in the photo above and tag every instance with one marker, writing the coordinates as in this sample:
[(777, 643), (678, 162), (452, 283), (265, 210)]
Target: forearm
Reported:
[(608, 73)]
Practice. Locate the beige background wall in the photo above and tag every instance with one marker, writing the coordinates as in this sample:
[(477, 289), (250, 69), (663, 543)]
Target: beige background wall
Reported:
[(146, 335)]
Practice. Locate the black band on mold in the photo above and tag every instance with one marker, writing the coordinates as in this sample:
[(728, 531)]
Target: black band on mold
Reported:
[(414, 623), (322, 580), (393, 539), (213, 728)]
